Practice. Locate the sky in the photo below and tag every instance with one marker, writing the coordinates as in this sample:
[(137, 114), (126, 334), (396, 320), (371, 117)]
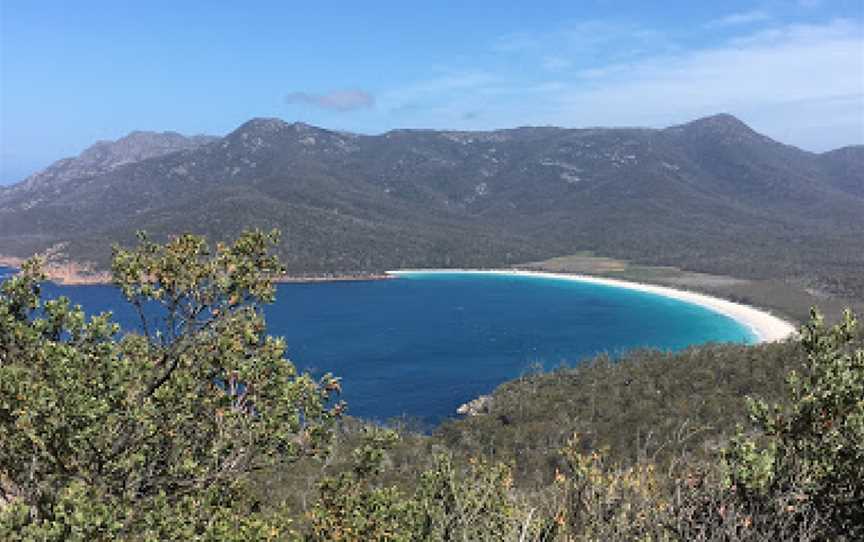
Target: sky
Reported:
[(72, 73)]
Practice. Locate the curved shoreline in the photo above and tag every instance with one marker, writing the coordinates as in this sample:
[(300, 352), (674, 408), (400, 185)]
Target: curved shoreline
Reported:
[(765, 326)]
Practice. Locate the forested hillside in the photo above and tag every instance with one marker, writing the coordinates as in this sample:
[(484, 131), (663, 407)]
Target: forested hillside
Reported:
[(711, 195)]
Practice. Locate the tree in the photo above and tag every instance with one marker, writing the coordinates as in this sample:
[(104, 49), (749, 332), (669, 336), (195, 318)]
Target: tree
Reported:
[(153, 433), (478, 504), (805, 464)]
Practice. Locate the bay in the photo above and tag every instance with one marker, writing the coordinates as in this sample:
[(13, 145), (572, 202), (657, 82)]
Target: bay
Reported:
[(422, 344)]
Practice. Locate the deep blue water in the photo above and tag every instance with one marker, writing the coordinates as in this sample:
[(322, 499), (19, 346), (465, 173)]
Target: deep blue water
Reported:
[(423, 344)]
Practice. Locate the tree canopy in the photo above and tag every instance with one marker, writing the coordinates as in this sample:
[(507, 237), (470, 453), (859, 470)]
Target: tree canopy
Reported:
[(151, 434)]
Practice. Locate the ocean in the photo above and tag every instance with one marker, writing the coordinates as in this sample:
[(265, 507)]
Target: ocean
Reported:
[(420, 345)]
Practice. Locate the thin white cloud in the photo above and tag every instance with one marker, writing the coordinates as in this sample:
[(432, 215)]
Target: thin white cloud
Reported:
[(802, 34), (581, 38), (338, 100), (443, 86), (801, 75), (739, 19), (801, 84)]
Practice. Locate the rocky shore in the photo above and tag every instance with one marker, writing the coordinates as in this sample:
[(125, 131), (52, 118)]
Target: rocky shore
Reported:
[(476, 407), (72, 273), (69, 273)]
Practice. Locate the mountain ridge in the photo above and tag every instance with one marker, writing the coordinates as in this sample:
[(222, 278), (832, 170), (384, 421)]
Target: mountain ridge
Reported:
[(708, 195), (104, 155)]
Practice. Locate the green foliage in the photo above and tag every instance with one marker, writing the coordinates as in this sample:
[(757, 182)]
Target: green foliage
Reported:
[(704, 196), (350, 508), (809, 455), (645, 405), (369, 456), (447, 504), (599, 500), (152, 434), (478, 505), (168, 432), (668, 415)]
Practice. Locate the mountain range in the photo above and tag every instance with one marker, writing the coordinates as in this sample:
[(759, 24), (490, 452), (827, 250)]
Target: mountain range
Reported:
[(710, 195)]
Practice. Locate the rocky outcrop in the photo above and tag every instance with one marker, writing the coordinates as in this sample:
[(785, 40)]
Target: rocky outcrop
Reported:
[(477, 407), (104, 156), (61, 270)]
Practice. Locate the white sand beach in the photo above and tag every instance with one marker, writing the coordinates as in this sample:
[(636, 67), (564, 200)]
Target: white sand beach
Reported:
[(765, 326)]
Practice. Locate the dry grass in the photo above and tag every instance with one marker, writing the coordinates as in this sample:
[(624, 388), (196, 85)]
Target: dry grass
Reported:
[(791, 300)]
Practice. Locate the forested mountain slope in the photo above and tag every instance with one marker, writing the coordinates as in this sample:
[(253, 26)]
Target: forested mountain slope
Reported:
[(710, 195)]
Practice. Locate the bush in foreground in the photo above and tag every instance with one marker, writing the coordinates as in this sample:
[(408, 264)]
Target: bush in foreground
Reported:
[(153, 434), (165, 433)]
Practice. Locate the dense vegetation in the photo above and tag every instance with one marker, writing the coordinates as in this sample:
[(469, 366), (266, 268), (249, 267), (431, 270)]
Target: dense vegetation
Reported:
[(711, 195), (153, 433), (195, 427)]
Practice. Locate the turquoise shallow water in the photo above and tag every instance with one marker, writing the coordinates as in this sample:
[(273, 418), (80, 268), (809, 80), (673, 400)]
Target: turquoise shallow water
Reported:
[(423, 344)]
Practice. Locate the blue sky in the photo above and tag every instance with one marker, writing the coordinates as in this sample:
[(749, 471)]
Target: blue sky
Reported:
[(72, 73)]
